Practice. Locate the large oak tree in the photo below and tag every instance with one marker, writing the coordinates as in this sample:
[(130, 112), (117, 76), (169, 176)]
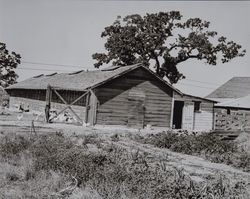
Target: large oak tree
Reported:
[(167, 40), (8, 62)]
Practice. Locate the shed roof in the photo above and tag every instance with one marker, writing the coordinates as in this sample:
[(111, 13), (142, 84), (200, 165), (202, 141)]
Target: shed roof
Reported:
[(243, 102), (83, 80), (236, 87), (79, 80)]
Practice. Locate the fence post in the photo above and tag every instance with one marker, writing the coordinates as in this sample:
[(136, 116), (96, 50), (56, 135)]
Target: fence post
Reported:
[(32, 128)]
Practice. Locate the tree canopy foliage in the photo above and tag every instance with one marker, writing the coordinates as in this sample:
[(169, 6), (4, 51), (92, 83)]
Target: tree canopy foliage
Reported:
[(167, 40), (8, 62)]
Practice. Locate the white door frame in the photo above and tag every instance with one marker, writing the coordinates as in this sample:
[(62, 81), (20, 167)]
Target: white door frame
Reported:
[(188, 115)]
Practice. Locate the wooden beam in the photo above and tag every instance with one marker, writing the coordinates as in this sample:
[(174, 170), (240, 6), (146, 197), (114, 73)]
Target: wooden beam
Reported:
[(94, 107), (78, 118), (48, 100), (76, 100), (48, 95), (79, 98), (87, 108), (58, 113), (172, 112), (61, 98), (68, 105)]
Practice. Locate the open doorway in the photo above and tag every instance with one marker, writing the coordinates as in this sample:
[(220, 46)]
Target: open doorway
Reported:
[(177, 116)]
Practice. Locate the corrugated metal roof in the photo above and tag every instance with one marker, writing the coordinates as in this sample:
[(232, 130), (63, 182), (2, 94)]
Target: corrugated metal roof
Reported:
[(236, 87), (243, 102)]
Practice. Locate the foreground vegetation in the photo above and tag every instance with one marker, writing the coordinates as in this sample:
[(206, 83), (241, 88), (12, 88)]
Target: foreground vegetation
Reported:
[(205, 145), (56, 166)]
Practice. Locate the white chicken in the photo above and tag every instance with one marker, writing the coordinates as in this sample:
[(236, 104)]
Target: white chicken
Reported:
[(37, 116), (19, 117)]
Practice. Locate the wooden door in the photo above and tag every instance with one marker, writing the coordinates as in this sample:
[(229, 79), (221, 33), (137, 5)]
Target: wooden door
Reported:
[(188, 116), (136, 101)]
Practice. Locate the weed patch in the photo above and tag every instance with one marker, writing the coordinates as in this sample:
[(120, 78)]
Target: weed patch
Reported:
[(109, 172), (205, 145)]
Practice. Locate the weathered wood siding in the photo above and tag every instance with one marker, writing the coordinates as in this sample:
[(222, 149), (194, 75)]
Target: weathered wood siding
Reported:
[(35, 100), (114, 100), (204, 119), (91, 111), (235, 119)]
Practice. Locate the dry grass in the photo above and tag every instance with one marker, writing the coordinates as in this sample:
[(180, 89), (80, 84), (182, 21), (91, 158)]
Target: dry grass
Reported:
[(16, 182), (41, 166), (205, 145)]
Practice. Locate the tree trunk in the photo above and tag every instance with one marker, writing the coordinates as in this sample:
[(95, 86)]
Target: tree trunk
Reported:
[(157, 64)]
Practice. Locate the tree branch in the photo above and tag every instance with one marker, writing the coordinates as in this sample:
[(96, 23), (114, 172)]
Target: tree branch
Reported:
[(186, 58)]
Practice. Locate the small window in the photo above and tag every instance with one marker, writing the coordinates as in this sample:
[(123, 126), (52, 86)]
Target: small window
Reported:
[(197, 106), (228, 111)]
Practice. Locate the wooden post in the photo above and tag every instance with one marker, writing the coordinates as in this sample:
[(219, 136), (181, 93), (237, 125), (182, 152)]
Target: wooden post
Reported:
[(48, 100), (213, 119), (87, 108), (172, 112), (94, 107), (32, 128)]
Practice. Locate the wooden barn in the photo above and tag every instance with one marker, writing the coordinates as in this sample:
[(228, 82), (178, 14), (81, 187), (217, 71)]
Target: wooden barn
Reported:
[(232, 112), (131, 96)]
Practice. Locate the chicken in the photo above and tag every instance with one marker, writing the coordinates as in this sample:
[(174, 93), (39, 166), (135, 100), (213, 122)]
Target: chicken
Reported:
[(19, 117)]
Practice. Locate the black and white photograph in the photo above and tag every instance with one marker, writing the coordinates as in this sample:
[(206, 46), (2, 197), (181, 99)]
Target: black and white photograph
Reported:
[(124, 99)]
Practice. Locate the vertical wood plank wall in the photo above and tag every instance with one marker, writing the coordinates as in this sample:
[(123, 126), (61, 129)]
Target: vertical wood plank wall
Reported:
[(203, 120), (113, 103)]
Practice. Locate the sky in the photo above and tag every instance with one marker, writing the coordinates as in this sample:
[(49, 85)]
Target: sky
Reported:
[(67, 32)]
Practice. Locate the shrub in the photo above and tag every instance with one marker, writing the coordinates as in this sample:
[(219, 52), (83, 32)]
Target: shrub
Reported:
[(114, 172), (114, 137), (205, 145), (61, 154), (12, 176), (13, 145), (91, 139), (242, 160), (46, 148)]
